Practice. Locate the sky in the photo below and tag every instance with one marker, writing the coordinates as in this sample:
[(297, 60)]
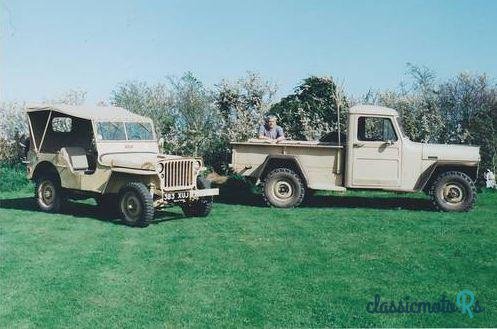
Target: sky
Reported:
[(49, 47)]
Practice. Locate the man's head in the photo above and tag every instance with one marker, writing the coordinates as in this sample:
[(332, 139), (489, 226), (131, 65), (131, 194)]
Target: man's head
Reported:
[(271, 121)]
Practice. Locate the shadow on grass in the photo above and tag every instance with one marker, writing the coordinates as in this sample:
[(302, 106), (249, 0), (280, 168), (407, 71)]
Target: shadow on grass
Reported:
[(82, 210), (239, 192), (337, 201)]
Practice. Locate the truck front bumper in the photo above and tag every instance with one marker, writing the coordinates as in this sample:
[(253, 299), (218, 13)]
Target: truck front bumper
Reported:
[(204, 192)]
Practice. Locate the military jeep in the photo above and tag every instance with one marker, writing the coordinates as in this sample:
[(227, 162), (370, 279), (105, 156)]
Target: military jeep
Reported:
[(112, 155)]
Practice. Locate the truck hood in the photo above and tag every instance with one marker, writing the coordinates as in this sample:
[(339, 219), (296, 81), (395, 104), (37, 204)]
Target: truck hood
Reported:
[(135, 160), (451, 152)]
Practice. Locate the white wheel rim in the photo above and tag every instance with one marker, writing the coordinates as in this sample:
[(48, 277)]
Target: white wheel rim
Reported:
[(283, 190), (46, 193), (453, 193)]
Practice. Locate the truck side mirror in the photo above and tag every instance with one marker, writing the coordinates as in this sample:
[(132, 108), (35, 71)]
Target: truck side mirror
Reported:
[(161, 144)]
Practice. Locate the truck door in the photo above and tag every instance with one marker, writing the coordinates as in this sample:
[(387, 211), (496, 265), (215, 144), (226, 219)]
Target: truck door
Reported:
[(375, 153)]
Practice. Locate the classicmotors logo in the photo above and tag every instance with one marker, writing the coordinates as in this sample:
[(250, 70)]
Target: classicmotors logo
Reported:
[(465, 302)]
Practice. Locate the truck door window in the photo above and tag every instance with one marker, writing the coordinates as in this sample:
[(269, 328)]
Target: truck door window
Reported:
[(375, 129)]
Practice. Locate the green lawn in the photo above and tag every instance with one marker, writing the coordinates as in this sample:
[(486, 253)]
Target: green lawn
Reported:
[(245, 265)]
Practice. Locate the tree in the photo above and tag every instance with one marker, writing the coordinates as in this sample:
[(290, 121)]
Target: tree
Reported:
[(155, 101), (311, 111), (241, 105), (196, 122)]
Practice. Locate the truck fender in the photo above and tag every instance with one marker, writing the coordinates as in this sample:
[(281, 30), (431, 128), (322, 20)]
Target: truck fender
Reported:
[(432, 172), (273, 161)]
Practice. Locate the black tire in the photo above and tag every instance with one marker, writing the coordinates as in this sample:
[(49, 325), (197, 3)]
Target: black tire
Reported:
[(201, 207), (283, 188), (136, 204), (48, 193), (453, 191)]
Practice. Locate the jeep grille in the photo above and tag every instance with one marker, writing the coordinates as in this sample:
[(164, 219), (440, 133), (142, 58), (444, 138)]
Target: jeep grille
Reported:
[(178, 175)]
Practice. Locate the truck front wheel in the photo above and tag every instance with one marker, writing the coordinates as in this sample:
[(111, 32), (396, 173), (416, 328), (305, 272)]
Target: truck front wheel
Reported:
[(283, 188), (453, 191), (202, 206), (136, 204)]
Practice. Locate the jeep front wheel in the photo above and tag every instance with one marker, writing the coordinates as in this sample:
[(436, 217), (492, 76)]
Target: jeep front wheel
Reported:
[(136, 205), (48, 193), (202, 206), (283, 188), (453, 191)]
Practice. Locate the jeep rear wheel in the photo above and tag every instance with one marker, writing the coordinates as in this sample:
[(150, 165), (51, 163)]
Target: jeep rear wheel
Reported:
[(48, 193), (136, 205), (453, 191), (202, 206), (283, 188)]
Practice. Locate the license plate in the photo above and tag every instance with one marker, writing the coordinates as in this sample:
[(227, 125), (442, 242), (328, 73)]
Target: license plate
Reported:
[(173, 196)]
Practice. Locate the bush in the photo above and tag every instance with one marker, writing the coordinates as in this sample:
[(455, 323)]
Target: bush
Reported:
[(13, 178)]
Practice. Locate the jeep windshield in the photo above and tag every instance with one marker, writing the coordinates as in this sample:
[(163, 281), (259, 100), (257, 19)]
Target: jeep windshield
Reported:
[(122, 131)]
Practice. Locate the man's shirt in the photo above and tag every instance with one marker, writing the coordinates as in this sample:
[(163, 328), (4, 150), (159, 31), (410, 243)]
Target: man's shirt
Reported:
[(272, 133)]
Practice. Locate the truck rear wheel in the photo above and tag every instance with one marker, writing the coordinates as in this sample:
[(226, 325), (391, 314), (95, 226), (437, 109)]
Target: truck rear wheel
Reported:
[(201, 207), (283, 188), (136, 205), (453, 191), (48, 193)]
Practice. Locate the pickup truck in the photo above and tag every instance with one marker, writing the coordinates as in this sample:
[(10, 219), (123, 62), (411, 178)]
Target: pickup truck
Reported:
[(374, 154)]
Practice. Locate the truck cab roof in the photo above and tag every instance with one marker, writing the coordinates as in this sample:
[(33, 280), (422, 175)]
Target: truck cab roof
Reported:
[(372, 109)]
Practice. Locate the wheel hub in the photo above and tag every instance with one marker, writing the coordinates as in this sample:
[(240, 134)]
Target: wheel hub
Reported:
[(46, 192), (453, 193), (131, 206), (283, 189)]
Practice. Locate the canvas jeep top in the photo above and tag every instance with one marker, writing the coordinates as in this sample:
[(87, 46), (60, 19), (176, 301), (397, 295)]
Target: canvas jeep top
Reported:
[(113, 155)]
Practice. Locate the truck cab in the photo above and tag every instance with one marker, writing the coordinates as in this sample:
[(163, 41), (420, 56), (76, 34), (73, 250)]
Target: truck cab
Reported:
[(376, 154)]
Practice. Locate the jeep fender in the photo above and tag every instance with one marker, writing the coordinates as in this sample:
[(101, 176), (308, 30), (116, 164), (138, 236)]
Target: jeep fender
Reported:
[(119, 178), (44, 167)]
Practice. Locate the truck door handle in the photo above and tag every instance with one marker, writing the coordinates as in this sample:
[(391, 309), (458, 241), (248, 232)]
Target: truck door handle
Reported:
[(358, 144)]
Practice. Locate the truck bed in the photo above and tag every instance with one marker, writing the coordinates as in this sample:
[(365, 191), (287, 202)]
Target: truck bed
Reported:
[(321, 163)]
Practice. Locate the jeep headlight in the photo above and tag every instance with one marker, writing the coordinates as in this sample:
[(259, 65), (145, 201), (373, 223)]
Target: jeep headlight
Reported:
[(197, 165), (160, 167)]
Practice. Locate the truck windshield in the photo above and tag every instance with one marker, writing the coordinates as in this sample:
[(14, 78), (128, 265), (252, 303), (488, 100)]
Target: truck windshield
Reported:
[(117, 131)]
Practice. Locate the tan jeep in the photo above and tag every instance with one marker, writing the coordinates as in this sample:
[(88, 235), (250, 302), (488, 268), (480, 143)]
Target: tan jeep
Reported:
[(375, 154), (112, 155)]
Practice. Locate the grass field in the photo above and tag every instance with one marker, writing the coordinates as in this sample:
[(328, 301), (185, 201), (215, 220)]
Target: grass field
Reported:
[(246, 265)]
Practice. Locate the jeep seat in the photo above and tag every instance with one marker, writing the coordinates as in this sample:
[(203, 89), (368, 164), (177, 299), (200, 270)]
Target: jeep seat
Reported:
[(76, 157)]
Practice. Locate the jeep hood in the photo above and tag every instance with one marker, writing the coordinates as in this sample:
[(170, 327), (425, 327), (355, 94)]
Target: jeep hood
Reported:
[(135, 160), (451, 152)]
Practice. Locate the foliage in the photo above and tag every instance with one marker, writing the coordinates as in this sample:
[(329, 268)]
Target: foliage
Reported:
[(154, 101), (14, 125), (196, 121), (13, 128), (311, 111), (461, 110), (242, 105), (13, 178)]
